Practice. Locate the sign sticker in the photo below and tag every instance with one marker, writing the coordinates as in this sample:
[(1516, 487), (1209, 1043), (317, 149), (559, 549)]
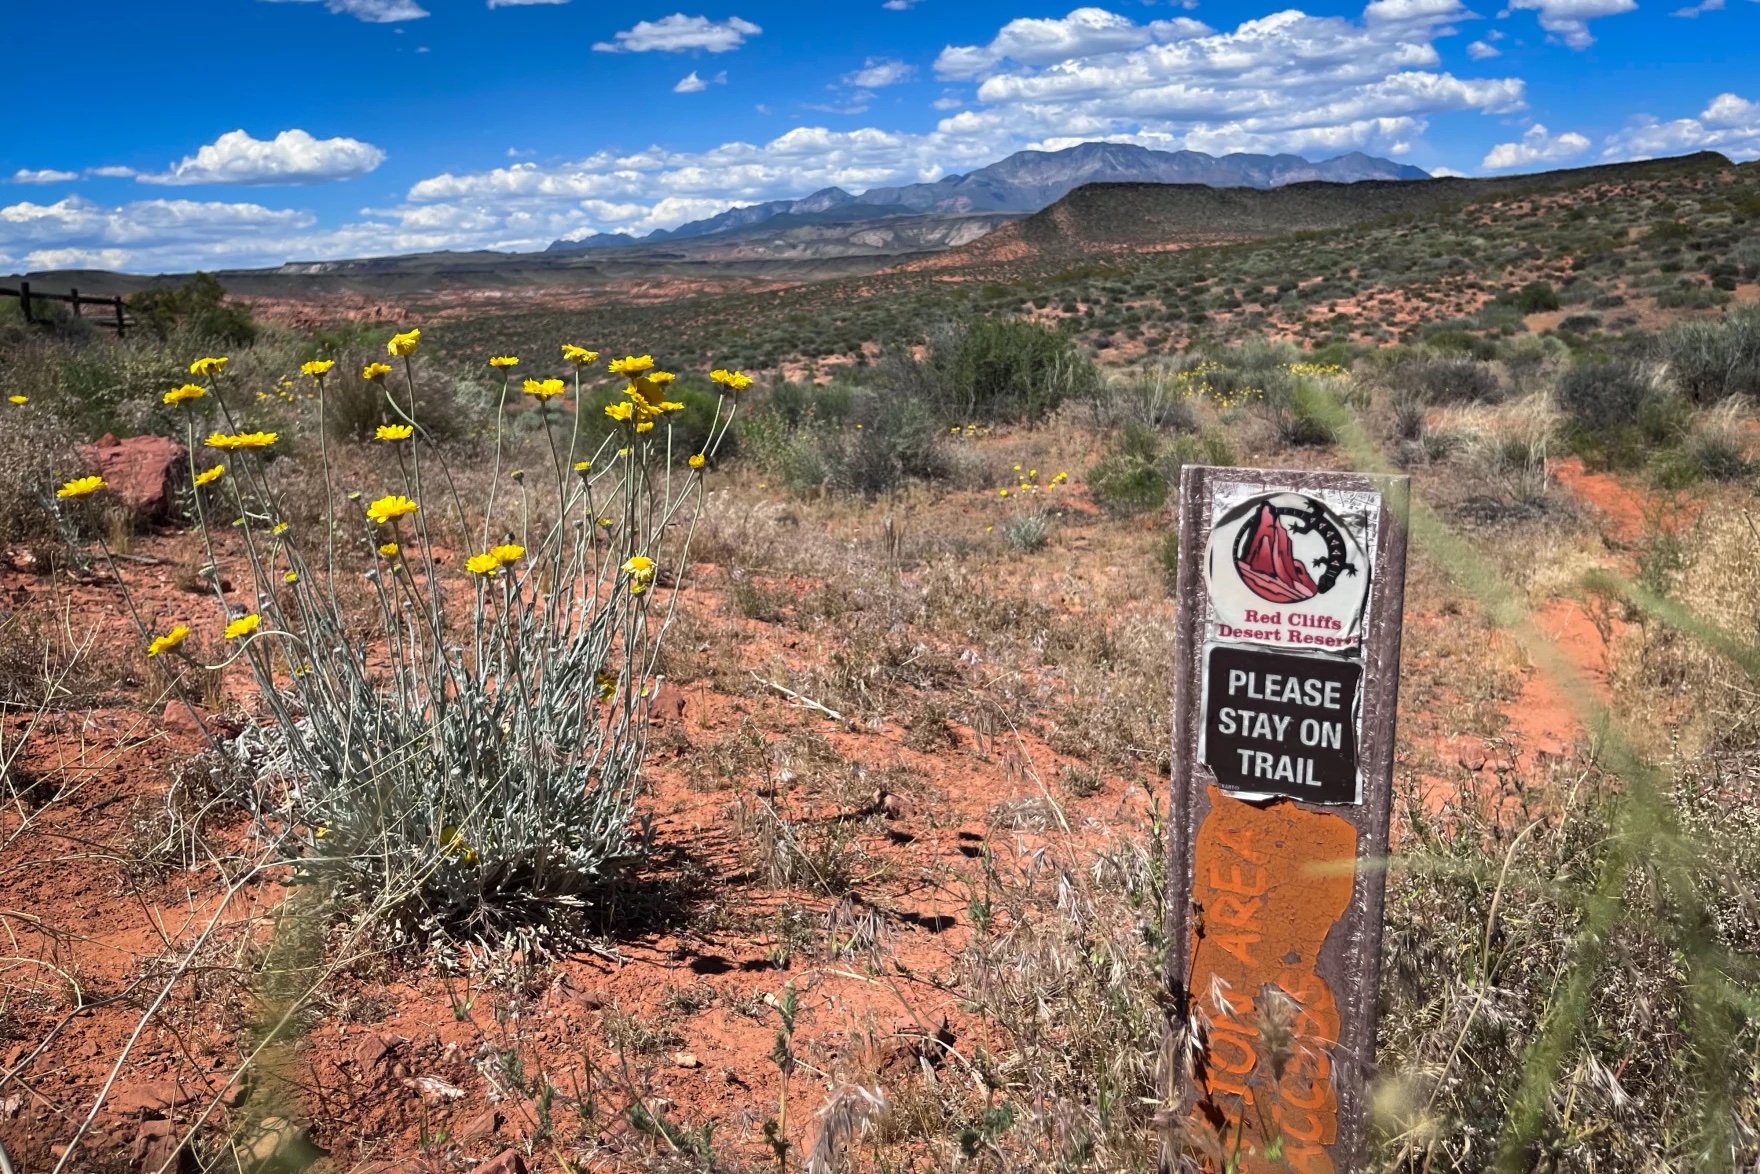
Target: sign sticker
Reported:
[(1282, 724), (1291, 570)]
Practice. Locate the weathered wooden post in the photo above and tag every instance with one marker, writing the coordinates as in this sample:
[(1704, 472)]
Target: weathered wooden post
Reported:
[(24, 300), (73, 297), (1291, 586), (119, 325)]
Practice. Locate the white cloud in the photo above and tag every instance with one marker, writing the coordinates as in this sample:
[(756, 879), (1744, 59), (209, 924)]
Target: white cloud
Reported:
[(880, 71), (1730, 124), (679, 33), (1568, 20), (371, 11), (1483, 51), (1536, 146), (56, 235), (293, 156), (113, 172), (901, 5), (690, 83), (1447, 173), (1083, 33), (43, 175), (948, 102), (42, 259)]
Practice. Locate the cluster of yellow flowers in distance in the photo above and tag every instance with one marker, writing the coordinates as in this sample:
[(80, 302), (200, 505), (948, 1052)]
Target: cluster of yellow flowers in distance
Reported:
[(1321, 370), (392, 505), (240, 440)]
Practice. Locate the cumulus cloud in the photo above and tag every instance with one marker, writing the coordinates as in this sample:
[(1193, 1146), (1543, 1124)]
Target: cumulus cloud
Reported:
[(1086, 32), (1568, 20), (43, 236), (1537, 146), (901, 5), (679, 33), (880, 71), (112, 171), (690, 83), (293, 156), (43, 175), (1483, 51), (371, 11), (1730, 124)]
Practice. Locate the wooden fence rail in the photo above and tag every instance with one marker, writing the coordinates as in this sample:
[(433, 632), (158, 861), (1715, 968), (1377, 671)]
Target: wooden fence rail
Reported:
[(26, 295)]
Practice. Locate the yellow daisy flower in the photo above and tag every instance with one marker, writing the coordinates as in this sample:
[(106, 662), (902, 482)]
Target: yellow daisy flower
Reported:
[(640, 569), (507, 552), (393, 505), (404, 344), (503, 361), (632, 365), (20, 400), (207, 367), (208, 476), (388, 550), (619, 411), (732, 380), (168, 641), (482, 564), (317, 368), (375, 371), (544, 388), (188, 391), (580, 356), (696, 462), (243, 626), (81, 486), (393, 432)]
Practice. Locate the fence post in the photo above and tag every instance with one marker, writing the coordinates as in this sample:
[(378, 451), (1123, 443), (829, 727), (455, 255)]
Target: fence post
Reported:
[(73, 297), (24, 300), (118, 304)]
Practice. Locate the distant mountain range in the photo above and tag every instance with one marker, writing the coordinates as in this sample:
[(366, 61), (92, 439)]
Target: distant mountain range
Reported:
[(1025, 182)]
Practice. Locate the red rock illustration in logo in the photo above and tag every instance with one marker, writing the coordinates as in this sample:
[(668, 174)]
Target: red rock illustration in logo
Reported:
[(1267, 562)]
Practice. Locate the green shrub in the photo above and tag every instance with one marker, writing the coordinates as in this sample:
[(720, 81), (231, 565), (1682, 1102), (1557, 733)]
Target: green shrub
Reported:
[(1028, 532), (1603, 394), (1711, 361), (1691, 297), (847, 438), (196, 308), (1445, 380), (1004, 369), (1537, 297)]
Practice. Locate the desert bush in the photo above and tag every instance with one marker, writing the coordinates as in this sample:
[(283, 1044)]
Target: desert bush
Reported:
[(1507, 451), (1443, 381), (1711, 361), (1138, 471), (1691, 296), (471, 764), (35, 450), (1537, 297), (1002, 369), (1160, 393), (850, 439), (196, 310), (1028, 532), (1602, 395)]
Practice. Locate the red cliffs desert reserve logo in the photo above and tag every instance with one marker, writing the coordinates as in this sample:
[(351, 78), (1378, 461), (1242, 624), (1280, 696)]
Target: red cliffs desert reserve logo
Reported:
[(1285, 569)]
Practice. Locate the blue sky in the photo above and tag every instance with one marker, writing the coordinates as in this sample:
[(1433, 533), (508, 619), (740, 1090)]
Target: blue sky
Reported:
[(250, 132)]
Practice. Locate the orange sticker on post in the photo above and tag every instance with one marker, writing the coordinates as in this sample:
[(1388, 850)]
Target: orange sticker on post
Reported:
[(1269, 883)]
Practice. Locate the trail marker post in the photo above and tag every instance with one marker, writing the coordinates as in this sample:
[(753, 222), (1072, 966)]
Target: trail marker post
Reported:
[(1291, 587)]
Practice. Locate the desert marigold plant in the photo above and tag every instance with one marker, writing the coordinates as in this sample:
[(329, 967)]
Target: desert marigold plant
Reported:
[(477, 753)]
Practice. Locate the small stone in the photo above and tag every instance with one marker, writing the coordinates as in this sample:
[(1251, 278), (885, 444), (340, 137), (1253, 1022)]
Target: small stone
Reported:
[(686, 1060), (485, 1124), (507, 1163), (157, 1148), (591, 1000), (152, 1099), (141, 471)]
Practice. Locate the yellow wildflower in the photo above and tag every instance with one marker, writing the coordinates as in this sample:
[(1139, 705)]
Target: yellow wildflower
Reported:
[(375, 371), (606, 685), (452, 840), (504, 361), (388, 549), (1002, 493), (619, 411), (243, 626), (290, 577), (81, 486), (280, 528), (661, 377), (168, 641), (582, 466), (393, 432), (632, 365), (20, 400), (404, 344), (482, 564), (207, 367), (507, 552), (207, 476), (393, 505), (317, 368), (731, 380), (187, 392), (579, 355), (640, 569), (544, 388), (696, 462), (243, 440), (645, 426)]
